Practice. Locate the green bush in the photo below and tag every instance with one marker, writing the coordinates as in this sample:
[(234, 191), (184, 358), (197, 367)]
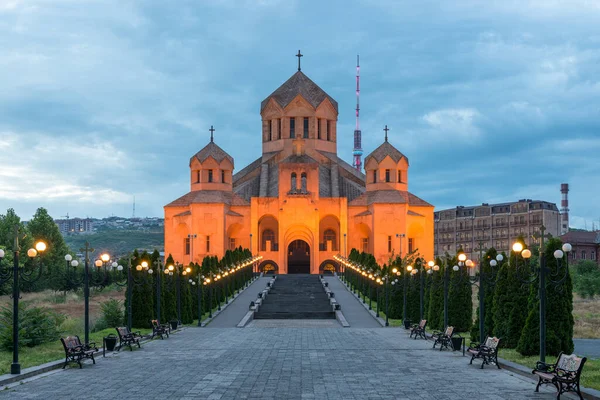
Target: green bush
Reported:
[(37, 325), (98, 325), (112, 313), (586, 279)]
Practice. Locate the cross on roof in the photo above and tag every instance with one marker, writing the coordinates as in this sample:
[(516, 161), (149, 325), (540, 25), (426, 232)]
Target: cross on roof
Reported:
[(212, 130), (386, 129), (299, 55)]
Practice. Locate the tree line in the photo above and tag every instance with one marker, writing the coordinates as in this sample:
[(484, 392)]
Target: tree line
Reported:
[(511, 302)]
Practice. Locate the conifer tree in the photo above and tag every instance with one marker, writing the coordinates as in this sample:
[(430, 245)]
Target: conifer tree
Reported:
[(559, 310), (489, 287), (142, 304), (413, 299), (509, 304), (187, 316), (460, 303), (435, 312), (168, 294)]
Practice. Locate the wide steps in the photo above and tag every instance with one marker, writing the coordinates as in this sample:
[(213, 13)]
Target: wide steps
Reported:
[(296, 297)]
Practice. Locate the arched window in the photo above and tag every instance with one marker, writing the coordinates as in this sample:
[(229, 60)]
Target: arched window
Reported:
[(329, 235), (293, 188), (303, 183), (268, 235)]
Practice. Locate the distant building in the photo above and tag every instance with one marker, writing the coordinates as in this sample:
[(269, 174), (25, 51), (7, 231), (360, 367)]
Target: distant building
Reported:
[(74, 225), (496, 225), (586, 245)]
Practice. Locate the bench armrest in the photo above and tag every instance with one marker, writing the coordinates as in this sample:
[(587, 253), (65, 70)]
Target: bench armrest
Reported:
[(544, 367)]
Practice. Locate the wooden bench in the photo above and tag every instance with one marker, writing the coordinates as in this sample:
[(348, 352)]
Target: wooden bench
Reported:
[(564, 374), (419, 330), (127, 338), (159, 329), (75, 351), (488, 352), (443, 338)]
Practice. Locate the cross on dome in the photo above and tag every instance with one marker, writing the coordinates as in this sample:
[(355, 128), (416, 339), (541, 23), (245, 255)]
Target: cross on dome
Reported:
[(299, 55), (212, 130), (386, 129)]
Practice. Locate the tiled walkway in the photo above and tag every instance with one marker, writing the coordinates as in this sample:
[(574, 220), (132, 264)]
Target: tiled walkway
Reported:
[(281, 363), (235, 311), (355, 313)]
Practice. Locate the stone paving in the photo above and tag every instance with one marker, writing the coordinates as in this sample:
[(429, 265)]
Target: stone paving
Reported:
[(281, 363), (235, 311), (354, 312)]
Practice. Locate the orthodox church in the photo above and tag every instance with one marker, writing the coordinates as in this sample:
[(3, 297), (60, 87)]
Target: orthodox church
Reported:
[(298, 204)]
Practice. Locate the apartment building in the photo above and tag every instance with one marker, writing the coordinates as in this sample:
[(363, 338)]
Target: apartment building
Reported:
[(494, 225)]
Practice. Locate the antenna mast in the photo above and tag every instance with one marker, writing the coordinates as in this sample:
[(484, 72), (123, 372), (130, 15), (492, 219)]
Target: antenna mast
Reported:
[(357, 152), (133, 207)]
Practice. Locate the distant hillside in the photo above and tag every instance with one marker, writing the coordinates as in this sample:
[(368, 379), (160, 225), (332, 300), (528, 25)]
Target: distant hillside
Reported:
[(118, 242)]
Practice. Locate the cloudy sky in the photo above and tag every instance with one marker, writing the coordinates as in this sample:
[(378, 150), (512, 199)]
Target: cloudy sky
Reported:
[(101, 101)]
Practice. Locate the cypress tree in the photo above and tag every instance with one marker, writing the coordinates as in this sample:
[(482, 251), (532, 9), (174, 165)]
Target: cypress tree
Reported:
[(488, 290), (509, 304), (559, 310), (142, 305), (427, 293), (460, 297), (435, 312), (168, 294), (187, 316), (412, 298), (167, 308)]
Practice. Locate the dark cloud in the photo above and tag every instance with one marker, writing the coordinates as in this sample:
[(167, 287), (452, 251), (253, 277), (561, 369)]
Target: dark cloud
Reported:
[(106, 100)]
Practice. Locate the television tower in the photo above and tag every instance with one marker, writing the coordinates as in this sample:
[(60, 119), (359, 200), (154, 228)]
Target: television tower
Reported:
[(357, 152)]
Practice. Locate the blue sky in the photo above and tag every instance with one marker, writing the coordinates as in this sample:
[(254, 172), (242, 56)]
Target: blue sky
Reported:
[(491, 101)]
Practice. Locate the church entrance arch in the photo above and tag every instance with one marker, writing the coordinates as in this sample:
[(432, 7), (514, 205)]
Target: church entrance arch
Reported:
[(298, 257), (268, 267), (328, 267)]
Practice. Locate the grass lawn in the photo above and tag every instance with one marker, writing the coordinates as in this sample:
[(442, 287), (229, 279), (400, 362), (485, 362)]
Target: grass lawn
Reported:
[(32, 356), (590, 377)]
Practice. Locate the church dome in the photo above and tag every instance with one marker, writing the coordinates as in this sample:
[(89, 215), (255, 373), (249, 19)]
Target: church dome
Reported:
[(299, 84), (214, 151), (386, 149)]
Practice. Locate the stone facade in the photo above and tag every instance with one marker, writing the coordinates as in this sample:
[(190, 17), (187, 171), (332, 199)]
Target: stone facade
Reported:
[(495, 225), (298, 203)]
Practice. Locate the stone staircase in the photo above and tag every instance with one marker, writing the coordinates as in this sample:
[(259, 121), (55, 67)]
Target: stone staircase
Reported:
[(296, 297)]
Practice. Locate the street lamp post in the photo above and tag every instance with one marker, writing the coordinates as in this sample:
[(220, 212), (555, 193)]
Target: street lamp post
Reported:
[(87, 280), (421, 289), (481, 283), (17, 275), (540, 274)]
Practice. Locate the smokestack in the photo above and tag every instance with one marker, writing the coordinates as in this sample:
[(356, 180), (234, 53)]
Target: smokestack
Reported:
[(564, 208)]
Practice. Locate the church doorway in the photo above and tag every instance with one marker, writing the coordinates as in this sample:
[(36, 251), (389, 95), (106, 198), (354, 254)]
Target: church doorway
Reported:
[(298, 257)]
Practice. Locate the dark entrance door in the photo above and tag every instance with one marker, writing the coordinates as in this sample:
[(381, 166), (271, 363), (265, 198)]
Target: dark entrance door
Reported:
[(298, 257)]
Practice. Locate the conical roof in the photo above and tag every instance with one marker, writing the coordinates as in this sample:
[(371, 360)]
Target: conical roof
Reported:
[(386, 149), (299, 84), (214, 151)]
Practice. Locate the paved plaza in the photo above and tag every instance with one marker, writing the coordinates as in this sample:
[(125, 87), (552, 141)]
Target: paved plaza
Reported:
[(312, 362)]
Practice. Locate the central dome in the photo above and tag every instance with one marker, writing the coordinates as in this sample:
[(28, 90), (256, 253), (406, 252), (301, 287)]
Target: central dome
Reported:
[(299, 84)]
